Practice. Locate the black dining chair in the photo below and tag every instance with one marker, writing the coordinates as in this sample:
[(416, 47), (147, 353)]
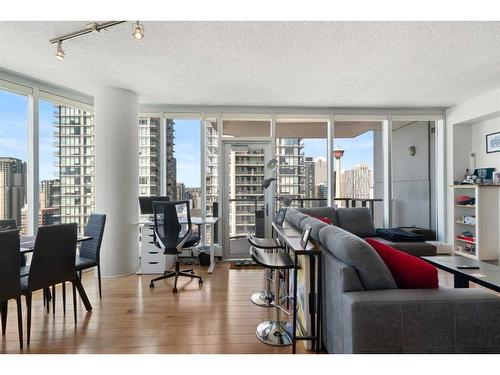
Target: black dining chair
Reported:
[(90, 251), (53, 263), (172, 237), (7, 224), (10, 285)]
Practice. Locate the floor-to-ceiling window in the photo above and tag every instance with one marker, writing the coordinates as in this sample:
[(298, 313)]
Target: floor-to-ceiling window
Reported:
[(359, 164), (301, 156), (14, 157), (66, 162)]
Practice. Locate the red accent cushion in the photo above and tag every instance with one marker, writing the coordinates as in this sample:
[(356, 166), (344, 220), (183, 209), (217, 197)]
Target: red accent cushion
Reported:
[(324, 219), (408, 271)]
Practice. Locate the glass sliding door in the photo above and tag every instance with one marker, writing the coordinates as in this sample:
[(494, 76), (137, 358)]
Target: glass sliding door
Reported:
[(413, 176), (14, 158), (246, 201), (359, 164)]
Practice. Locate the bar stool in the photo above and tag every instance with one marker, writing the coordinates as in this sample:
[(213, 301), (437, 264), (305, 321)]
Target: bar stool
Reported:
[(265, 298), (274, 332)]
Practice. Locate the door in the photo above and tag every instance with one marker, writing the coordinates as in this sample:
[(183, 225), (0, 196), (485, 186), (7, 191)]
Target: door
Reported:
[(246, 204)]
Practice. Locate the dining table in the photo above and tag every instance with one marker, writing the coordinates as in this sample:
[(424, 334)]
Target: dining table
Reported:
[(28, 245)]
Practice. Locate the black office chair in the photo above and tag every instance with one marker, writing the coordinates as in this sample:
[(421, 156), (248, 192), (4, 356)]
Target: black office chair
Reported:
[(10, 285), (90, 251), (172, 237), (7, 224), (53, 263)]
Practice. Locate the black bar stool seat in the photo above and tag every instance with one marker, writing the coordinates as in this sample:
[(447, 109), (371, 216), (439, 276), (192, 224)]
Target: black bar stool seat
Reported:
[(264, 243), (274, 332)]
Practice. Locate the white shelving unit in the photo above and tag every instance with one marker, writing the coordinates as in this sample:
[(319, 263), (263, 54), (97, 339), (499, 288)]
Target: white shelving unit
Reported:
[(486, 229)]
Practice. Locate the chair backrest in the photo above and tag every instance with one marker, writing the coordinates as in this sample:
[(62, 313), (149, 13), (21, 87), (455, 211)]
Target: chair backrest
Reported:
[(7, 224), (91, 249), (170, 233), (54, 256), (10, 282)]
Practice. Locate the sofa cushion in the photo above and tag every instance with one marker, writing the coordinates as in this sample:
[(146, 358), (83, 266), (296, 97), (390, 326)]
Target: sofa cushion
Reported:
[(357, 253), (321, 212), (315, 224), (294, 217), (357, 220), (408, 271), (419, 249), (324, 219)]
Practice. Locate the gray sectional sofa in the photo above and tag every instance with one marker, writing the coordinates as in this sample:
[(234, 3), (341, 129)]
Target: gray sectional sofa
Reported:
[(364, 312)]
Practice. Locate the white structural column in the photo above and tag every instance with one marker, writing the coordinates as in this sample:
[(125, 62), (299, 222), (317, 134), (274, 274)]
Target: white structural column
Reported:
[(117, 178)]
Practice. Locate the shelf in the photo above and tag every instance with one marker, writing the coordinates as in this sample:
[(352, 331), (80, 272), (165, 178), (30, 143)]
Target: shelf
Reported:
[(459, 222), (465, 206), (463, 253), (469, 242)]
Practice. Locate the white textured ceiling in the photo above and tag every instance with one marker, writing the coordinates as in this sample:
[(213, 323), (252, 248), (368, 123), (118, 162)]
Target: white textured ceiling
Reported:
[(354, 64)]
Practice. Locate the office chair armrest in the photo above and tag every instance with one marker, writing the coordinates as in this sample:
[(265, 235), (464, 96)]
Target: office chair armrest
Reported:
[(180, 245)]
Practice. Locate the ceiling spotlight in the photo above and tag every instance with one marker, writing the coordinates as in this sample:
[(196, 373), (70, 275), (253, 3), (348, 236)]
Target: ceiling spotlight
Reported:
[(138, 31), (60, 51)]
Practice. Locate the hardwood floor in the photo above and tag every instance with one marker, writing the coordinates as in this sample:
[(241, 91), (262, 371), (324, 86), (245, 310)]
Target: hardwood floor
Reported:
[(131, 318)]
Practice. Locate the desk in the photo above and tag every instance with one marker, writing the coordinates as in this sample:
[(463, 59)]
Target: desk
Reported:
[(290, 237), (205, 221), (28, 245)]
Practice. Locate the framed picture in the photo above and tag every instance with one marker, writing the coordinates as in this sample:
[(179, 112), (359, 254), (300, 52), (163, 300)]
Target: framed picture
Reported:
[(280, 216), (496, 178), (305, 236), (493, 142)]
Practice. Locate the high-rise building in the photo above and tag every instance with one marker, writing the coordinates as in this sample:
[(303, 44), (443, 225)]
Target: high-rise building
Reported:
[(211, 165), (171, 171), (290, 172), (75, 152), (50, 194), (181, 191), (194, 195), (309, 177), (322, 192), (320, 171), (149, 156), (246, 168), (12, 188), (357, 182)]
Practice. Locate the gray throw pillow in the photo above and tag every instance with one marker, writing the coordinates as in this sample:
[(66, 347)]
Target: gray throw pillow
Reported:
[(357, 253), (357, 220)]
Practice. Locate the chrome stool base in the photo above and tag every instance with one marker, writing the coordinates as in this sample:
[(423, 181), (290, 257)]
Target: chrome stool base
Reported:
[(277, 334), (263, 299)]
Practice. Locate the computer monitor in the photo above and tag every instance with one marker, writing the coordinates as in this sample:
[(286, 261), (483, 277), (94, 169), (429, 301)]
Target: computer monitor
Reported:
[(146, 204)]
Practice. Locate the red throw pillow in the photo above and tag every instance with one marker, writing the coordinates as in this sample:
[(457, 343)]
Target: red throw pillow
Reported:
[(324, 219), (408, 271)]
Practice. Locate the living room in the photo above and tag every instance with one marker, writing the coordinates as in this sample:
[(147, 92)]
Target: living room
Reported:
[(237, 184)]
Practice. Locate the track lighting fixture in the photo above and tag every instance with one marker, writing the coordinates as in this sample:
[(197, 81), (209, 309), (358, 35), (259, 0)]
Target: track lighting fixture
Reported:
[(94, 27), (60, 51), (138, 31)]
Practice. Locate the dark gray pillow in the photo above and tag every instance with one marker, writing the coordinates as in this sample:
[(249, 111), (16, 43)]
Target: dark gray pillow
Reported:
[(328, 212), (357, 220), (357, 253)]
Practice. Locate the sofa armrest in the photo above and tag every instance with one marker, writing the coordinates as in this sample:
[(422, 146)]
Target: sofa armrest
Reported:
[(421, 321)]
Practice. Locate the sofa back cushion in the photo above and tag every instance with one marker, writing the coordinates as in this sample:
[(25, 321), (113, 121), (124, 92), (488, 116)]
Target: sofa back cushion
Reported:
[(357, 220), (357, 253), (315, 224), (294, 217), (326, 214), (409, 271)]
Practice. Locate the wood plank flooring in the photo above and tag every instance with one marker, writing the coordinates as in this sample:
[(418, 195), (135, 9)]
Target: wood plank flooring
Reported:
[(132, 318)]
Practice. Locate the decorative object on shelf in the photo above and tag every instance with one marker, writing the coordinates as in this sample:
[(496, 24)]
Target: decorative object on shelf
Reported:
[(493, 142), (469, 179), (465, 200), (484, 175), (305, 236)]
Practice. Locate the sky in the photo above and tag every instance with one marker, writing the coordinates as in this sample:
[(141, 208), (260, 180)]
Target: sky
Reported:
[(14, 140)]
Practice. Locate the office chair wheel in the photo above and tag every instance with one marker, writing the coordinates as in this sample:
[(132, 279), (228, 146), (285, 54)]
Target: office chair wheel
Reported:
[(192, 272), (174, 290), (200, 282), (151, 285)]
